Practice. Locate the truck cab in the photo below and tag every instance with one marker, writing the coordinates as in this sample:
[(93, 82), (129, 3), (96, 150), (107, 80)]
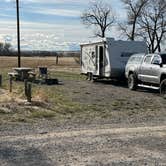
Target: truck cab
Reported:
[(148, 69)]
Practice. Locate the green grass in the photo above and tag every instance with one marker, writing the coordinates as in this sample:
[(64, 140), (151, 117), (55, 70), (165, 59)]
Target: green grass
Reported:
[(67, 75), (42, 114), (52, 103)]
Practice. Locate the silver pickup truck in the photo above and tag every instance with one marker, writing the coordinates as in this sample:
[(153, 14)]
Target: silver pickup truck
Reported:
[(147, 69)]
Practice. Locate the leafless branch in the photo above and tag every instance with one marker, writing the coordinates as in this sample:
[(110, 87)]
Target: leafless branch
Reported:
[(100, 16)]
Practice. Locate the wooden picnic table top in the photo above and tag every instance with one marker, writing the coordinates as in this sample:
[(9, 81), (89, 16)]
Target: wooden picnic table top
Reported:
[(26, 69), (23, 72)]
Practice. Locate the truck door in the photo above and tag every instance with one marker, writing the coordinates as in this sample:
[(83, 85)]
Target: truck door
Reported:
[(101, 60), (145, 69), (155, 69)]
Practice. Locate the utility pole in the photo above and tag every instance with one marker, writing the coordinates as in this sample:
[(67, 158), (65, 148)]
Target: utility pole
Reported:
[(18, 34)]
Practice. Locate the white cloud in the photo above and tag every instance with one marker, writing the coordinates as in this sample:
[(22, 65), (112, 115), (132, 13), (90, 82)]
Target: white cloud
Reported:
[(57, 12), (50, 36), (43, 36)]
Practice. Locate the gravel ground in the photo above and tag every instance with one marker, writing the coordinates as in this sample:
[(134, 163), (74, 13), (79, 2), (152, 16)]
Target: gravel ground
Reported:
[(106, 146), (126, 107), (134, 134)]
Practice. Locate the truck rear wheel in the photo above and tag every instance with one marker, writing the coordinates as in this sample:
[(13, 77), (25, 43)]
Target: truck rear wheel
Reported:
[(132, 82), (163, 88)]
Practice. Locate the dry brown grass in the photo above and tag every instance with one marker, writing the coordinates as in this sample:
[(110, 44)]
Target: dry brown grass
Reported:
[(40, 95), (46, 100), (7, 62)]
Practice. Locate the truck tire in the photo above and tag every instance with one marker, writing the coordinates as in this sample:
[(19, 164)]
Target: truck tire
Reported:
[(163, 88), (132, 82)]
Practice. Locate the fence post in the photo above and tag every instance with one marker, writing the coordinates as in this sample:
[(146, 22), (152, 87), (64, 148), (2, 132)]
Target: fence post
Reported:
[(29, 92), (57, 59), (26, 86), (10, 84), (0, 80)]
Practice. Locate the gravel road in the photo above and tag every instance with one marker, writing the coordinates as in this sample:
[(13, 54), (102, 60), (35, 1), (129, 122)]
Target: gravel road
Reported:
[(93, 146)]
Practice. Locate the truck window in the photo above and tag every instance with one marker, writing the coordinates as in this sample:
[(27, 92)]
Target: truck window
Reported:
[(147, 59), (156, 59), (139, 59)]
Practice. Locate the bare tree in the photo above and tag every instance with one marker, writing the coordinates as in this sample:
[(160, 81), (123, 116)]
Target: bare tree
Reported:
[(1, 46), (133, 8), (100, 16), (7, 47), (152, 22)]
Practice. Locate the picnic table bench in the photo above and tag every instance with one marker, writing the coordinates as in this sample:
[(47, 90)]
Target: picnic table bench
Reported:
[(13, 75)]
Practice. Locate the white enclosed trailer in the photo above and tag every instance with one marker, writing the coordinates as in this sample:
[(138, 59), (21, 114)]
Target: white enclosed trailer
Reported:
[(107, 58)]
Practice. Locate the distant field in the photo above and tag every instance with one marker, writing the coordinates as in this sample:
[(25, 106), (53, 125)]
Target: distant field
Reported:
[(7, 62)]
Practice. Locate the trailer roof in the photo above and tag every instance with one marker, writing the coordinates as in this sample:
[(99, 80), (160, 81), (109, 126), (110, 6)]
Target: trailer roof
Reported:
[(94, 43), (104, 40), (97, 41)]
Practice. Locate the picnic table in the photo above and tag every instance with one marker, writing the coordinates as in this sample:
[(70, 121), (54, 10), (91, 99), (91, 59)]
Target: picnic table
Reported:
[(23, 72)]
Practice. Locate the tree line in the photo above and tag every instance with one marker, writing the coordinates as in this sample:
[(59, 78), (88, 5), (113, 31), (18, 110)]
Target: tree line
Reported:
[(146, 20), (5, 48)]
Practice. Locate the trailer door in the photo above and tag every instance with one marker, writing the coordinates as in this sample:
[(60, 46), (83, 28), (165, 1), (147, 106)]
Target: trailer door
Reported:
[(101, 60)]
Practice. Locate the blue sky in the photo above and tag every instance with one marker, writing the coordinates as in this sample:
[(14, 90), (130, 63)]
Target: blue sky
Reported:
[(50, 24)]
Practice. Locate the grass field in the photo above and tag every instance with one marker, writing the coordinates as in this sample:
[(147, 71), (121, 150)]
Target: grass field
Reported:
[(46, 100), (7, 62), (75, 99)]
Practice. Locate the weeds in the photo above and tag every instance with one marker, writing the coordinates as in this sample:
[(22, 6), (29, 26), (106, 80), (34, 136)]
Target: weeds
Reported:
[(53, 102)]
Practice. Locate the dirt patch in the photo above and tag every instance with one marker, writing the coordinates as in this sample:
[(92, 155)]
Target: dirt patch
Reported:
[(116, 103)]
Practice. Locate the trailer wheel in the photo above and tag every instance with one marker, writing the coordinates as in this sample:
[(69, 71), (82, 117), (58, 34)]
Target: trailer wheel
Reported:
[(94, 79), (89, 76), (163, 88), (132, 82)]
